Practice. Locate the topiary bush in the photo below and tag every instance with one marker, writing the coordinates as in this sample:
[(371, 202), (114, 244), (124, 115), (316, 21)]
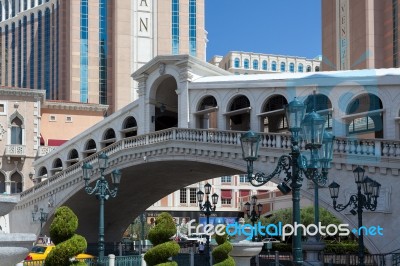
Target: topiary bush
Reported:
[(221, 252), (163, 247), (68, 244)]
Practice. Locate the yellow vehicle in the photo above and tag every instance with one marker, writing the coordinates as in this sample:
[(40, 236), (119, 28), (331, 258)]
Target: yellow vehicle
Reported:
[(40, 252)]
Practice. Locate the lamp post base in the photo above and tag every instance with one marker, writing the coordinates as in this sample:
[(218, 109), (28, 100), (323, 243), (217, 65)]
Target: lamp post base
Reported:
[(313, 247)]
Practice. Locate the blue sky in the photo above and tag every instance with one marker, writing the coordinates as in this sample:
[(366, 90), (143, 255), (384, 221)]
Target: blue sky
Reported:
[(285, 27)]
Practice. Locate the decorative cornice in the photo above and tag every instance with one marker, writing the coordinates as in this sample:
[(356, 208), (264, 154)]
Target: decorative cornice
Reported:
[(61, 105), (23, 92)]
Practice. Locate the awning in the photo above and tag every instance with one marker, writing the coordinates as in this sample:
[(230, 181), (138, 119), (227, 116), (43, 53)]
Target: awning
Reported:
[(226, 194), (244, 193), (56, 142)]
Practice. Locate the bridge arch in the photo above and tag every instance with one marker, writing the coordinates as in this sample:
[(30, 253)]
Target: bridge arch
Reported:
[(57, 166), (89, 148), (108, 138), (207, 112), (129, 127), (238, 113), (272, 118)]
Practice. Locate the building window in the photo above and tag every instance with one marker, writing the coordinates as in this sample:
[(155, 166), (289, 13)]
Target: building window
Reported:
[(226, 179), (2, 183), (32, 52), (39, 52), (103, 52), (273, 66), (291, 67), (246, 63), (265, 65), (300, 68), (20, 32), (317, 69), (255, 64), (243, 178), (226, 201), (52, 118), (237, 62), (193, 195), (182, 197), (192, 28), (84, 52), (68, 119), (395, 40), (47, 52), (6, 55), (226, 197), (308, 69), (16, 183), (16, 131), (13, 54), (283, 67), (175, 26)]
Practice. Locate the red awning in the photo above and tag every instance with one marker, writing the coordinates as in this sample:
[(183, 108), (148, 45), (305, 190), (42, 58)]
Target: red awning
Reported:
[(56, 142), (226, 194), (42, 143), (244, 193)]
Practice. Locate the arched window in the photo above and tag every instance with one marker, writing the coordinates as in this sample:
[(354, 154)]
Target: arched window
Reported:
[(370, 123), (317, 69), (42, 175), (273, 118), (207, 113), (57, 166), (300, 68), (308, 69), (109, 137), (273, 66), (129, 127), (238, 116), (16, 183), (246, 63), (237, 62), (90, 148), (264, 65), (322, 105), (73, 157), (283, 67), (2, 183), (255, 64), (16, 131), (291, 67)]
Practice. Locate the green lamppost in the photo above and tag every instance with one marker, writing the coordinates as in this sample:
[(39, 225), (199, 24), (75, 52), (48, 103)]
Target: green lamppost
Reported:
[(102, 192), (367, 200), (207, 209), (295, 165), (253, 211)]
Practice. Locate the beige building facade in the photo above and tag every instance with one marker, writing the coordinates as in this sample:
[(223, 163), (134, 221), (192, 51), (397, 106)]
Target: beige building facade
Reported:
[(360, 34), (243, 63), (85, 51)]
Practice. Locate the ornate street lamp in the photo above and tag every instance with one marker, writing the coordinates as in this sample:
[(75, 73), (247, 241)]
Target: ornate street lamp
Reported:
[(294, 165), (42, 217), (367, 200), (207, 208), (102, 192), (253, 212)]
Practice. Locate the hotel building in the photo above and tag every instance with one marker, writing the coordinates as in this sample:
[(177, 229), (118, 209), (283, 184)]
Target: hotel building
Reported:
[(360, 34), (85, 51)]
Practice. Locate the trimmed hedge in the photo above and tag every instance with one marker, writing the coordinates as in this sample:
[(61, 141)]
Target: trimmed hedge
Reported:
[(221, 252), (163, 248), (68, 244)]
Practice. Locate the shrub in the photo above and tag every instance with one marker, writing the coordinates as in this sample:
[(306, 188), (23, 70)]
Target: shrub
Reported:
[(163, 248), (221, 252), (62, 233)]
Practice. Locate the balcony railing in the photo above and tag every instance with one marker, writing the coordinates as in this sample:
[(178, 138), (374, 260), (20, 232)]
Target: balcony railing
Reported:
[(15, 150), (43, 150)]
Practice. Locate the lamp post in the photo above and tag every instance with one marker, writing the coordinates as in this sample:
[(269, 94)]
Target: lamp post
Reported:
[(255, 212), (367, 200), (102, 192), (295, 165), (207, 208), (42, 217)]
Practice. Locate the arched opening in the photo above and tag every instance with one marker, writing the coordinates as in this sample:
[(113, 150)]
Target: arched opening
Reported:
[(41, 176), (166, 106), (129, 127), (90, 148), (207, 113), (16, 131), (322, 105), (273, 117), (57, 166), (365, 117), (238, 115), (2, 183), (73, 157), (16, 183), (108, 138)]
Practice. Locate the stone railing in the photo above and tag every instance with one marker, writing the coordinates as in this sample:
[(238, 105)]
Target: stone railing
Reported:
[(44, 150), (14, 150), (270, 143)]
